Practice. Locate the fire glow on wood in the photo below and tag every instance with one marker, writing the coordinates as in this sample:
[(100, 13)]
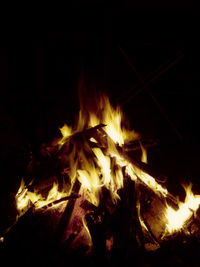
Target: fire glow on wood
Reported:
[(93, 154)]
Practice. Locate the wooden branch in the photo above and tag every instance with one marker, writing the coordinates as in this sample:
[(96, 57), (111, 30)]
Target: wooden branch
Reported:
[(65, 219), (58, 201), (135, 147)]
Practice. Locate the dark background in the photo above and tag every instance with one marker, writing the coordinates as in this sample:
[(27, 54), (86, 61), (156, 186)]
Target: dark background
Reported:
[(40, 69)]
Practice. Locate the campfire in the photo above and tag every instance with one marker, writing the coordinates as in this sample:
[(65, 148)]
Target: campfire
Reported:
[(96, 195)]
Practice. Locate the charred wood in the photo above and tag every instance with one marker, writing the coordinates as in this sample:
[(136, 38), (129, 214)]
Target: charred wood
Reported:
[(64, 221)]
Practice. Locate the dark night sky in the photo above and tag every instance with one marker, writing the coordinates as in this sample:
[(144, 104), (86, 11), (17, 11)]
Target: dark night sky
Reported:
[(39, 72)]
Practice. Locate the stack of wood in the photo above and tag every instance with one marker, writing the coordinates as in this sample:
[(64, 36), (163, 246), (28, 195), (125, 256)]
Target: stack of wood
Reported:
[(74, 231)]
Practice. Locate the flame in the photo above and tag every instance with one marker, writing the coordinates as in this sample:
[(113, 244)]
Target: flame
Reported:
[(25, 198), (113, 119), (177, 218), (144, 153), (66, 131), (22, 199), (87, 230)]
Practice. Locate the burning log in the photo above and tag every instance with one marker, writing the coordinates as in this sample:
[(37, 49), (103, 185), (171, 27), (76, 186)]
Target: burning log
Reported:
[(63, 224), (59, 201)]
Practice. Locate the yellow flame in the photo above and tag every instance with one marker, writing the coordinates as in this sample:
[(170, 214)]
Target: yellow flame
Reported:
[(113, 119), (25, 198), (93, 140), (66, 131), (104, 163), (87, 230), (177, 218), (144, 154), (90, 182), (151, 183), (22, 199)]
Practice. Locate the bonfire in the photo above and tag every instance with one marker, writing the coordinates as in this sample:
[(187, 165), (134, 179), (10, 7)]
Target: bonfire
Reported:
[(89, 176)]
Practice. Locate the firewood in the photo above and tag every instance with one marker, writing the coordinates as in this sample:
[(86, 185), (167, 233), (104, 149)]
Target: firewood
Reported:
[(64, 221), (134, 146), (56, 202)]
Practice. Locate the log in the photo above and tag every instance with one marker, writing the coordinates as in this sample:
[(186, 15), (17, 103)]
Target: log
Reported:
[(59, 201), (64, 221), (135, 146)]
